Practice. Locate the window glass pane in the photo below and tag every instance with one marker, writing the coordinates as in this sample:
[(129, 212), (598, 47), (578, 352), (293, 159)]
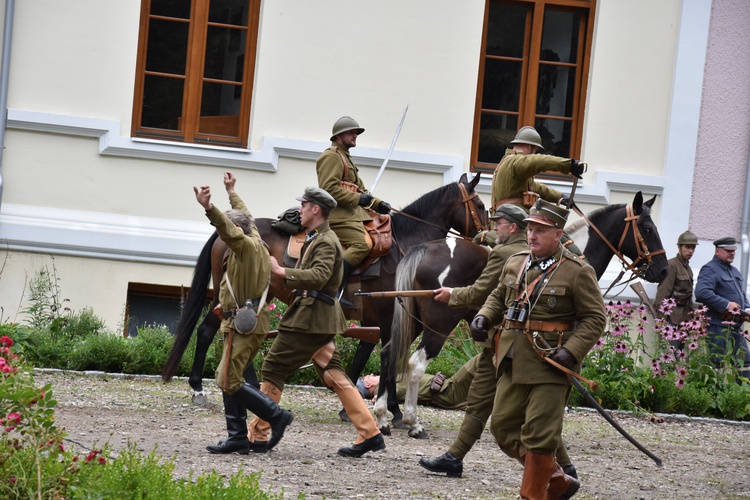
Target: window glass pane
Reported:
[(220, 109), (505, 30), (502, 85), (555, 90), (167, 46), (555, 136), (225, 53), (228, 12), (171, 8), (560, 36), (494, 138), (162, 102)]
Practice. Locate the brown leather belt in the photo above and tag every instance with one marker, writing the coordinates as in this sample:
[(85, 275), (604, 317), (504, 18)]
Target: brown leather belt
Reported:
[(537, 326)]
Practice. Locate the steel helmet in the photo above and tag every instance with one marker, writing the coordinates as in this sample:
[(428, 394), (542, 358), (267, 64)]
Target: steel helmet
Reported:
[(345, 124), (528, 135), (687, 238)]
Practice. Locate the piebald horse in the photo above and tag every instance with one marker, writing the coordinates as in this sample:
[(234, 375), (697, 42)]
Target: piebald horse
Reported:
[(613, 230)]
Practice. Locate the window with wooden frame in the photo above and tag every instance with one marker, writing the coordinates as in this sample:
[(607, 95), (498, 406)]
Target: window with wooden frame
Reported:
[(533, 71), (195, 69)]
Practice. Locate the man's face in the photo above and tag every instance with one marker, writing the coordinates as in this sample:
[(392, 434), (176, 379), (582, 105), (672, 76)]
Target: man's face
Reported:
[(503, 230), (348, 139), (543, 240), (726, 255), (306, 213), (371, 384), (686, 251)]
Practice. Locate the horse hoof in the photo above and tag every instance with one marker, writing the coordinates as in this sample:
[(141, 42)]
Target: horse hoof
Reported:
[(386, 431), (420, 435), (200, 399), (399, 424)]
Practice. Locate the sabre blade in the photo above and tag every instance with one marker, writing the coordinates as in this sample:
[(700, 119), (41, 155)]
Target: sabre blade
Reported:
[(390, 149)]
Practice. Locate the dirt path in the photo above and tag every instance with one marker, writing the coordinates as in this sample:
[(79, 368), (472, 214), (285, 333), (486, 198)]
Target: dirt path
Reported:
[(701, 459)]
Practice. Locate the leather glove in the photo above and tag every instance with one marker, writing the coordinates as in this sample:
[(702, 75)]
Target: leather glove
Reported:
[(384, 207), (563, 357), (479, 328), (576, 168), (365, 200), (565, 200)]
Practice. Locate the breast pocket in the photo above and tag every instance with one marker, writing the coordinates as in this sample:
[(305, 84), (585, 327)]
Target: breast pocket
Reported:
[(554, 298)]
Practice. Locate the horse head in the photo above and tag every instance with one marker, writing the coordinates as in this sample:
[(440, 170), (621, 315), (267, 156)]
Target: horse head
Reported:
[(643, 244), (467, 212)]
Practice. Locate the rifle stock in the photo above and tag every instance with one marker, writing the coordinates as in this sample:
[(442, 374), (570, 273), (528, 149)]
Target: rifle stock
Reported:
[(641, 292), (366, 333)]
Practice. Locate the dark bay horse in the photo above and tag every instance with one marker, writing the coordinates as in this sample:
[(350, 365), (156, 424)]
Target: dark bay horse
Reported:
[(456, 263), (455, 205)]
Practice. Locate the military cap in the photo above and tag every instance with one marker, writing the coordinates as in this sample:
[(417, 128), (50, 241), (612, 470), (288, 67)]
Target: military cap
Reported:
[(319, 197), (511, 213), (727, 242), (548, 214), (687, 238)]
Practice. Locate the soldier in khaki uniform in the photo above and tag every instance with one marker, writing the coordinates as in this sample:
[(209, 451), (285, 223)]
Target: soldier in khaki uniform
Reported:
[(510, 231), (515, 173), (314, 318), (248, 272), (545, 292), (437, 390), (339, 176), (678, 284)]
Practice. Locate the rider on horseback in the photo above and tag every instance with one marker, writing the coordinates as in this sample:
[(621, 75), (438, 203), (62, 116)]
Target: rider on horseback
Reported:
[(339, 176)]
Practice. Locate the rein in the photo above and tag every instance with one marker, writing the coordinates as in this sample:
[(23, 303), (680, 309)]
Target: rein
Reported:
[(638, 267)]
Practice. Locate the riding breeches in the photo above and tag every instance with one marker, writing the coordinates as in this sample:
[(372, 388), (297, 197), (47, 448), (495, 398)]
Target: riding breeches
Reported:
[(239, 351), (353, 238)]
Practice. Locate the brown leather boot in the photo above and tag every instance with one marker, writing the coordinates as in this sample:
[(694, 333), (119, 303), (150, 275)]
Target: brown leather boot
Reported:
[(369, 438), (561, 486), (259, 429), (537, 470)]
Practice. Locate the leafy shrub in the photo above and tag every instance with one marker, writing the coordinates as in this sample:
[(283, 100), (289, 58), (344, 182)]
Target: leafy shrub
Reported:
[(692, 400), (734, 402), (147, 353), (103, 352)]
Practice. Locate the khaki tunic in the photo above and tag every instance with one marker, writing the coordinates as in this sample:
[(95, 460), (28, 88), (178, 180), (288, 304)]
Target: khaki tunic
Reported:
[(249, 270), (347, 217), (511, 177), (677, 285), (452, 394)]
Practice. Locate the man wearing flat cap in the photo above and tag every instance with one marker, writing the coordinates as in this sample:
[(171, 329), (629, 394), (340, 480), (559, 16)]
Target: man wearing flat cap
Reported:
[(548, 304), (310, 325), (510, 228), (339, 176), (720, 289)]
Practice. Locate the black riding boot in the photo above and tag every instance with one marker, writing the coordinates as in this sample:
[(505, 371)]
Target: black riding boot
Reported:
[(236, 441), (265, 408), (348, 270)]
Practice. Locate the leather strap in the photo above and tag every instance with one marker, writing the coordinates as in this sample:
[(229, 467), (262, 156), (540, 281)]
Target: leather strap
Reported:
[(539, 326), (437, 383)]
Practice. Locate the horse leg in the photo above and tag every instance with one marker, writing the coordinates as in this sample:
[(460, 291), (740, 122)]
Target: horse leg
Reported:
[(417, 365), (205, 336)]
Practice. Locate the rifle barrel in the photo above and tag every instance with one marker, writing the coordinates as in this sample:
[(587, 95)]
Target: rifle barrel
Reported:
[(396, 293)]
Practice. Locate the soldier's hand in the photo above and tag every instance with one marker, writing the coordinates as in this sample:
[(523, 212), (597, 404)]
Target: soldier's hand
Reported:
[(577, 168), (563, 357), (365, 200), (384, 207), (479, 328), (564, 200)]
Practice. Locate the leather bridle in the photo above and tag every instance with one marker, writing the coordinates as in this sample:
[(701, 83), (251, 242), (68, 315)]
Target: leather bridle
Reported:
[(640, 266)]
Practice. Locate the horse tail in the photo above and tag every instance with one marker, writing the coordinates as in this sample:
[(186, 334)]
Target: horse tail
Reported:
[(192, 309), (402, 328)]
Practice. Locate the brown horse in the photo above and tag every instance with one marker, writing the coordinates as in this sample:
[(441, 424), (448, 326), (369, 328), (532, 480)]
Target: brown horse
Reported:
[(455, 205), (455, 263)]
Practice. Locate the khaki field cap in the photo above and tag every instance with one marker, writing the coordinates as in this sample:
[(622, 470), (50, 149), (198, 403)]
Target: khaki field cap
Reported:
[(728, 243), (345, 124), (549, 214), (319, 197), (687, 238), (511, 213), (528, 135)]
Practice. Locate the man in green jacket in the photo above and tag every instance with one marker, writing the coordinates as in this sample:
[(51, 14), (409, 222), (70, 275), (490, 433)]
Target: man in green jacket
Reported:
[(312, 321), (339, 176), (548, 304), (246, 279)]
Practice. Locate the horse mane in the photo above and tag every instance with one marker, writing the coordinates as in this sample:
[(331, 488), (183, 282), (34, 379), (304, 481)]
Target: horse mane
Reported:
[(601, 212), (421, 206)]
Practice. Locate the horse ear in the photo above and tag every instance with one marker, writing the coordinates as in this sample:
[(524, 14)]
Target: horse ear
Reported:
[(463, 179), (475, 180), (650, 203), (638, 203)]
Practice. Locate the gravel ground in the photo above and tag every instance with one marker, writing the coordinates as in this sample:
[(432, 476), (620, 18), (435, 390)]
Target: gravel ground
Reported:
[(702, 458)]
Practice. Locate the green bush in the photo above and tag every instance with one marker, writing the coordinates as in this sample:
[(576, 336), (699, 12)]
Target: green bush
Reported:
[(48, 350), (734, 402), (105, 352), (147, 353), (695, 401)]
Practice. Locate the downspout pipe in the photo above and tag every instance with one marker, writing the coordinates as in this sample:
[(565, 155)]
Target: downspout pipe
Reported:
[(746, 228), (4, 79)]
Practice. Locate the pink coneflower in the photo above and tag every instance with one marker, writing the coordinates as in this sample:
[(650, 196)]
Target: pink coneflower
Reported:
[(621, 347), (693, 346), (682, 372), (598, 345), (680, 383)]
